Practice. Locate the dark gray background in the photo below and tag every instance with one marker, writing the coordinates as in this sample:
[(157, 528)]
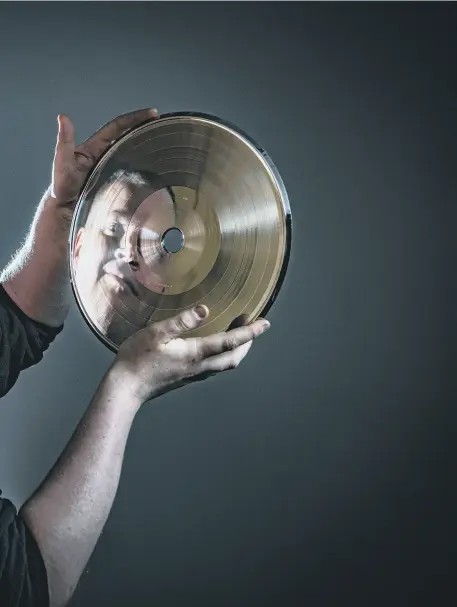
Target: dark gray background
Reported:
[(322, 472)]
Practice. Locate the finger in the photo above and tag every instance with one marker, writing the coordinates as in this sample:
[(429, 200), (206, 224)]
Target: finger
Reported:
[(65, 146), (225, 361), (181, 323), (100, 141), (224, 342), (239, 321)]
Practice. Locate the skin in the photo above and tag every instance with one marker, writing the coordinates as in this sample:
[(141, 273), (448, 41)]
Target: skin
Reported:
[(68, 511), (37, 278), (110, 265)]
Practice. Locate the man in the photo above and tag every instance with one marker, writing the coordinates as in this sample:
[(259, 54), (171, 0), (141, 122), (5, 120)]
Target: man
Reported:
[(120, 265), (45, 547)]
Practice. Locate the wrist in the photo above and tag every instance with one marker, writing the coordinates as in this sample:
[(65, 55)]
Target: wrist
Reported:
[(61, 213), (131, 382), (119, 387)]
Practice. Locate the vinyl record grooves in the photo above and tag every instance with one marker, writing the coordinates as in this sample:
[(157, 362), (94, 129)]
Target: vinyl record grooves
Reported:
[(183, 210)]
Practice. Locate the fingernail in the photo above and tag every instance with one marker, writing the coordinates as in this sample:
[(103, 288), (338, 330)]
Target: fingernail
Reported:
[(201, 311), (265, 325), (154, 111)]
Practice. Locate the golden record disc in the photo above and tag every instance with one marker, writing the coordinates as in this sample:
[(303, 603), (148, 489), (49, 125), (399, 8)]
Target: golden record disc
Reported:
[(183, 210)]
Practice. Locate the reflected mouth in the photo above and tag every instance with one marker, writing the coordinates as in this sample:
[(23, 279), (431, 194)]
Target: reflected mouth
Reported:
[(126, 283)]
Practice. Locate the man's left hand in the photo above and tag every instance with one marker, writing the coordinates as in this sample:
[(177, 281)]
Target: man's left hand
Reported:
[(72, 163)]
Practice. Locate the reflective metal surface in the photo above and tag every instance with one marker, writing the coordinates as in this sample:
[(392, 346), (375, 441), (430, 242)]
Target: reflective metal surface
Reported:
[(184, 210)]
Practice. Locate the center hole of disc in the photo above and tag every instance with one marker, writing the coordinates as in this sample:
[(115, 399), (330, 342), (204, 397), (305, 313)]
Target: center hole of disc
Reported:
[(173, 240)]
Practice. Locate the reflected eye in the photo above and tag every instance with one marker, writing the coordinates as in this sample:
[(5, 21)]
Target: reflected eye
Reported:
[(113, 229)]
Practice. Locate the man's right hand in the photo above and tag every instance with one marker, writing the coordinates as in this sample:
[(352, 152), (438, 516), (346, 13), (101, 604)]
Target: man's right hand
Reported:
[(160, 358), (67, 513)]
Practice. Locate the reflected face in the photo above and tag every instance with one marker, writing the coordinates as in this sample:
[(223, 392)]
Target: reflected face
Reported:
[(119, 258)]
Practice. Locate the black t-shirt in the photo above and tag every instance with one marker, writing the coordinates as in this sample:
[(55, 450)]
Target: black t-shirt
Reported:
[(23, 578)]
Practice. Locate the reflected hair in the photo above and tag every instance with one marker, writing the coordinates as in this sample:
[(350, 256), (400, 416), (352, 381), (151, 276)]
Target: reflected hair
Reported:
[(126, 176)]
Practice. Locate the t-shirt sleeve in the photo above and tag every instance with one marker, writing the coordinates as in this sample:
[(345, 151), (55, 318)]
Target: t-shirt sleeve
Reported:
[(22, 341), (23, 577)]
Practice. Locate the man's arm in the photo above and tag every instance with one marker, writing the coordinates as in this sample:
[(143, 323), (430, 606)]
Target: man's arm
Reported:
[(67, 513), (37, 278)]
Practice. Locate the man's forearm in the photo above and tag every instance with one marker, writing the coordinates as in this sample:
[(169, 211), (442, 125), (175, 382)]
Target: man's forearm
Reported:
[(37, 278), (68, 512)]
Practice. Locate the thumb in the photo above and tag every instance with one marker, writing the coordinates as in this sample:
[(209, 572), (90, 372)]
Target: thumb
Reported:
[(65, 146), (183, 322)]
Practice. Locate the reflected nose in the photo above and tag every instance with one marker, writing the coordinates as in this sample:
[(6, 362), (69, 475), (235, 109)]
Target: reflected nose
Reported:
[(128, 255)]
